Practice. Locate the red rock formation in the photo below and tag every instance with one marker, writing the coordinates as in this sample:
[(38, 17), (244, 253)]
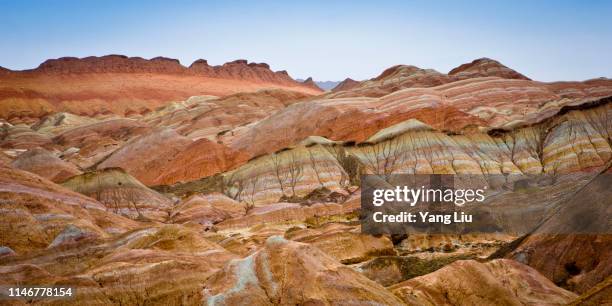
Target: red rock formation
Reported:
[(237, 70), (458, 109), (401, 76), (94, 142), (393, 79), (484, 67), (347, 84), (49, 211), (45, 164), (133, 268), (143, 156), (5, 160), (311, 83), (455, 106), (344, 243), (468, 282), (207, 210), (200, 159), (121, 194), (286, 272), (116, 84), (22, 137), (213, 118)]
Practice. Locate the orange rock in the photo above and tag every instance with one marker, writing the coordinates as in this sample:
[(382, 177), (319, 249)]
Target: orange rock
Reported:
[(344, 243), (121, 194), (207, 210), (143, 157), (286, 272), (347, 84), (45, 164), (116, 84), (484, 67), (468, 282), (130, 269), (36, 211)]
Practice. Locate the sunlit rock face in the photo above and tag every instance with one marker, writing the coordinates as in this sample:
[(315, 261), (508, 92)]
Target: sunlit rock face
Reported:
[(88, 145), (45, 164), (121, 194), (358, 119), (393, 79), (207, 210), (132, 268), (286, 272), (344, 243), (207, 122), (201, 158), (289, 175), (143, 156), (22, 137), (127, 86), (38, 214), (498, 282), (488, 103), (59, 122), (282, 212), (576, 140), (347, 84), (484, 67), (185, 202)]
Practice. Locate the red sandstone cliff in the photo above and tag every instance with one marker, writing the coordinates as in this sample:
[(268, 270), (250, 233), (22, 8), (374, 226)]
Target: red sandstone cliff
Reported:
[(127, 86)]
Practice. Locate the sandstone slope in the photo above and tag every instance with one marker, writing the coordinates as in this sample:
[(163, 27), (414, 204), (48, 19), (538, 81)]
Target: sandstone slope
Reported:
[(499, 282), (121, 194), (285, 272), (116, 84)]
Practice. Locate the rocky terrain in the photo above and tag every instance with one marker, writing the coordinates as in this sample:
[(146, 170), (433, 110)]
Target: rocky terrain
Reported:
[(147, 182), (127, 86)]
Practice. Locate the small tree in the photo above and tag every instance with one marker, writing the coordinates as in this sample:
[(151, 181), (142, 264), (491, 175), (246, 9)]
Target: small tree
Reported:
[(345, 164), (233, 186), (280, 174), (313, 165), (295, 170), (252, 191), (383, 158), (601, 120)]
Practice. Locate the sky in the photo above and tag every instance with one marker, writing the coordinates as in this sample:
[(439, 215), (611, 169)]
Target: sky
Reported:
[(328, 40)]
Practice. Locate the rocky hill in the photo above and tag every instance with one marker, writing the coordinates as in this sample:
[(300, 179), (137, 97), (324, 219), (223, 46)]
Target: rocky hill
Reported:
[(127, 86), (347, 84), (243, 186)]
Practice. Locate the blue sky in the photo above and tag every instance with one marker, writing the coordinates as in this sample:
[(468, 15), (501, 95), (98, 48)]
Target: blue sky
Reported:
[(545, 40)]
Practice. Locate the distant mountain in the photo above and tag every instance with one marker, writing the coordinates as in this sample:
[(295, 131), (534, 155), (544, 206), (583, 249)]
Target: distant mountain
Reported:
[(347, 84), (121, 85), (325, 85)]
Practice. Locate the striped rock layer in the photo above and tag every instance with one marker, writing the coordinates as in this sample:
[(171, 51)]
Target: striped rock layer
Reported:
[(462, 107), (127, 86), (121, 193), (574, 141)]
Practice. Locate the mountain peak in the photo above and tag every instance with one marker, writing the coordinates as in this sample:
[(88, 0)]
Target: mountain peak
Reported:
[(485, 67), (311, 83), (347, 84)]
